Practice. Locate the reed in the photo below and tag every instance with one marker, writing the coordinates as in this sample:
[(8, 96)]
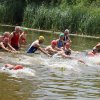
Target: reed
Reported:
[(80, 16), (77, 18), (11, 11)]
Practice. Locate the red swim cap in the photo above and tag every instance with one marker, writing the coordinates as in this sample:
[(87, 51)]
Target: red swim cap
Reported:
[(18, 67), (54, 42)]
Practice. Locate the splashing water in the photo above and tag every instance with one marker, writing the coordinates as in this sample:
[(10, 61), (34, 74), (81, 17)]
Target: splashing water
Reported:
[(20, 73)]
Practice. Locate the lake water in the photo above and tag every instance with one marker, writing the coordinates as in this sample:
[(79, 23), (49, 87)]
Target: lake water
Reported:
[(52, 78)]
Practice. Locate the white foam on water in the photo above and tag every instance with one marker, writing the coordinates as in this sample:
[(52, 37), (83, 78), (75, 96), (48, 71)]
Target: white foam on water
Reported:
[(20, 73), (71, 66), (95, 60), (60, 65), (56, 63)]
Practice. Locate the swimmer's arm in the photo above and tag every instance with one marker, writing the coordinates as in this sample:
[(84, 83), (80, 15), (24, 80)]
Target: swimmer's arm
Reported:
[(52, 50), (11, 47), (42, 50), (79, 60), (3, 47), (77, 52), (21, 36), (66, 56), (70, 57), (58, 49), (9, 66), (10, 37), (69, 40)]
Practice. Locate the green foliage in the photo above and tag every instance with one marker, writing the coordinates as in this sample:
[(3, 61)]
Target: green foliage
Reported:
[(81, 16), (77, 18), (12, 11)]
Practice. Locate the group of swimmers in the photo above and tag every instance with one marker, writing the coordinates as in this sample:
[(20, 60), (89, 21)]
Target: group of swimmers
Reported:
[(12, 42), (60, 46)]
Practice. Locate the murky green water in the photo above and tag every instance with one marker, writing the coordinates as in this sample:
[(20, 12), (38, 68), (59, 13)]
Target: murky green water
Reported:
[(55, 78)]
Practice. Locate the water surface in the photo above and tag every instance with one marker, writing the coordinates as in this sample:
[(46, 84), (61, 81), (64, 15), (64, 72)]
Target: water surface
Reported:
[(54, 78)]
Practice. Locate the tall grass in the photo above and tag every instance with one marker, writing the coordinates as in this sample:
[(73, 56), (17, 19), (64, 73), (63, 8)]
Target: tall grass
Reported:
[(46, 18), (91, 24), (77, 18), (81, 16), (11, 11)]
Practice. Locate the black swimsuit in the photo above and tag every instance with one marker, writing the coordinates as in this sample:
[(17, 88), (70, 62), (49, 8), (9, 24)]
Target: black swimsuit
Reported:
[(67, 52)]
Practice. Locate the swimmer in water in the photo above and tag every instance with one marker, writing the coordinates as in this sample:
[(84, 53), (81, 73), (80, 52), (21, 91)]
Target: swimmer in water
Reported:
[(5, 35), (53, 49), (36, 46), (66, 36), (93, 52), (13, 67), (97, 47), (60, 42), (5, 45), (67, 48)]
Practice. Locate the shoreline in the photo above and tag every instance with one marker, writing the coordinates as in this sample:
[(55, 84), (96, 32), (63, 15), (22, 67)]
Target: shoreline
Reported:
[(47, 31)]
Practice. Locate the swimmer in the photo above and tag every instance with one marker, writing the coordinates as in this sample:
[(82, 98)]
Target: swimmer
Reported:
[(60, 42), (6, 46), (13, 67), (53, 49), (5, 34), (67, 48), (23, 36), (66, 36), (15, 38), (36, 45), (93, 52), (97, 47)]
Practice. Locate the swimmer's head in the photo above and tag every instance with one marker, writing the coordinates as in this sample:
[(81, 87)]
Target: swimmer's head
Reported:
[(18, 28), (6, 40), (61, 36), (54, 43), (98, 47), (41, 39), (6, 34), (66, 32), (94, 50), (18, 67), (67, 45)]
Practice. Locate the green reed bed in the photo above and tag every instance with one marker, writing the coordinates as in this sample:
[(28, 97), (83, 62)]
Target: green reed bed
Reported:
[(91, 24), (80, 16), (6, 14), (46, 18), (11, 11), (2, 13), (77, 18)]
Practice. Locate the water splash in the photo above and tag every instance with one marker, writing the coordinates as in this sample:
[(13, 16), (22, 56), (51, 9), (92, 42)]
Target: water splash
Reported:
[(21, 73)]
